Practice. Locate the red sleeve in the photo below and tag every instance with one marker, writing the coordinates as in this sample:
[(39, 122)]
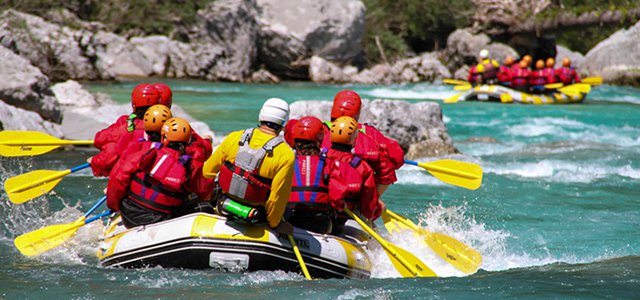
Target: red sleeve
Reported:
[(338, 187), (576, 76), (370, 206), (203, 187), (120, 179), (103, 162), (200, 149), (390, 146), (470, 76), (112, 133)]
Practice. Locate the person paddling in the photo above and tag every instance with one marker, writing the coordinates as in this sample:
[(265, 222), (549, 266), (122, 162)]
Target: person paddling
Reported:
[(153, 120), (487, 68), (319, 184), (150, 186), (343, 134), (520, 77), (566, 74), (504, 72), (538, 78), (106, 140), (255, 166), (383, 154), (549, 72)]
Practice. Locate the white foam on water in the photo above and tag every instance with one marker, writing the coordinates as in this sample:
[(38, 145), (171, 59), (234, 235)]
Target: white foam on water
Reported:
[(430, 92), (562, 171), (358, 293), (264, 277), (610, 93)]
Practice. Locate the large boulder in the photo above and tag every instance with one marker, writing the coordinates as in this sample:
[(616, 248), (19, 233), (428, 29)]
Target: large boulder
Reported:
[(617, 59), (463, 47), (291, 31), (14, 118), (577, 59), (24, 86), (114, 55), (417, 127), (230, 25), (52, 48)]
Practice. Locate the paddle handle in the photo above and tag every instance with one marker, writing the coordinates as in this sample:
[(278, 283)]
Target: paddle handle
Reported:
[(100, 216), (80, 167), (410, 162), (95, 206)]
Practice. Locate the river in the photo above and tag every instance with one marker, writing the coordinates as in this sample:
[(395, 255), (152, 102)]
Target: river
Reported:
[(558, 213)]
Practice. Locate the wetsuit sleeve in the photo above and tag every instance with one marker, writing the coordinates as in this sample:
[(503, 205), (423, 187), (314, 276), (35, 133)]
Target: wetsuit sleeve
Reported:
[(200, 149), (369, 204), (103, 162), (120, 179), (280, 185), (110, 134), (197, 183)]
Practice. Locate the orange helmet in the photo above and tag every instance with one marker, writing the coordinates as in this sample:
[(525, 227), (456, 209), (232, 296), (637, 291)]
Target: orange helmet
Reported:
[(540, 64), (308, 128), (155, 117), (344, 130), (528, 58), (346, 103), (566, 62), (144, 95), (523, 64), (508, 61), (176, 130), (166, 95), (551, 62)]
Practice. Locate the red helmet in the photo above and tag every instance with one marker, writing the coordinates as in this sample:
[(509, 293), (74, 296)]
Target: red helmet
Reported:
[(346, 103), (166, 95), (144, 95), (288, 131), (308, 128)]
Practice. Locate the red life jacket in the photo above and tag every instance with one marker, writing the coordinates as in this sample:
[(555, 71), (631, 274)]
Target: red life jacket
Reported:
[(310, 183), (159, 186), (241, 180), (520, 77), (538, 77), (490, 70), (504, 74), (473, 75), (550, 75), (567, 75)]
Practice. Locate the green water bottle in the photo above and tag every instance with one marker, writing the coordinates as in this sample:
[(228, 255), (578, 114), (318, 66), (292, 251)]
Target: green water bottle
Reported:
[(239, 210)]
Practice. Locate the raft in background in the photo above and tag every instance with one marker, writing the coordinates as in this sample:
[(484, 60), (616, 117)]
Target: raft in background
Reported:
[(205, 241), (574, 93)]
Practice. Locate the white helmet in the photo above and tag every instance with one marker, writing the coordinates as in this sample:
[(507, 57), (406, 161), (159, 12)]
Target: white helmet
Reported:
[(274, 110), (484, 53)]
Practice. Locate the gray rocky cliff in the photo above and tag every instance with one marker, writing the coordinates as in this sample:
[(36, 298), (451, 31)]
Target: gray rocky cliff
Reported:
[(617, 59)]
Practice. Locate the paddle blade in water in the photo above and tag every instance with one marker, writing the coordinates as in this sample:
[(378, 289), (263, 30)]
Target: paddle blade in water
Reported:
[(421, 269), (459, 173), (44, 239), (25, 187), (453, 99), (458, 254), (454, 81)]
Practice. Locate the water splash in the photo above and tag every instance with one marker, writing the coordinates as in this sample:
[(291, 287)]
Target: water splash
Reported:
[(562, 171)]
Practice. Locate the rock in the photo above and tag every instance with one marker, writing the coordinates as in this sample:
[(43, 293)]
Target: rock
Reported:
[(14, 118), (577, 59), (230, 25), (417, 127), (291, 31), (462, 73), (378, 74), (263, 76), (463, 48), (50, 47), (115, 56), (24, 86), (617, 59), (321, 70)]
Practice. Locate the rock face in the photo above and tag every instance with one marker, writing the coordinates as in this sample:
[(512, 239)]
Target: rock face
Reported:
[(463, 48), (417, 127), (577, 59), (617, 59), (14, 118), (291, 31), (24, 86)]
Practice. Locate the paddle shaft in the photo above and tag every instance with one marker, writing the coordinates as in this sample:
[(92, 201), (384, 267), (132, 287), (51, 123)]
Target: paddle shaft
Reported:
[(303, 266), (96, 217), (49, 178), (432, 167), (382, 242), (95, 206)]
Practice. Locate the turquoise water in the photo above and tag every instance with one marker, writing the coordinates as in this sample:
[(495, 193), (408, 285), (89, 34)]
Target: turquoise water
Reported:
[(557, 216)]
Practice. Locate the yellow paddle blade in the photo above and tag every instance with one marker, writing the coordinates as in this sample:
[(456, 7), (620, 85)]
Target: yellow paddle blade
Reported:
[(464, 87), (595, 80), (453, 99), (25, 187), (459, 173), (47, 238), (454, 81), (296, 251), (458, 254), (506, 98), (26, 143), (553, 86), (407, 264)]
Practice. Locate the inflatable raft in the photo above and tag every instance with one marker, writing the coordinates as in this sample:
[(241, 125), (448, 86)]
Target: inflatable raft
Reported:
[(499, 93), (205, 241)]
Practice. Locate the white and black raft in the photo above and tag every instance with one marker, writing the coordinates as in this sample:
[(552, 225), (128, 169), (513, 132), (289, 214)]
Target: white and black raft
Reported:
[(206, 241)]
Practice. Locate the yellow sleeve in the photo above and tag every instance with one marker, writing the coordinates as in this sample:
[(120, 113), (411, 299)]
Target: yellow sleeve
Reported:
[(495, 63), (281, 185), (480, 68), (216, 160)]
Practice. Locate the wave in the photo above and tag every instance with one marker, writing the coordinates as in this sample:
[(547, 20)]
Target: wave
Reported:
[(562, 171), (611, 93), (419, 91)]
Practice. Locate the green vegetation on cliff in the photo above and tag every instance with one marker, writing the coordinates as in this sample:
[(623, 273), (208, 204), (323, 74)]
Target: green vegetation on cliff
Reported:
[(404, 26)]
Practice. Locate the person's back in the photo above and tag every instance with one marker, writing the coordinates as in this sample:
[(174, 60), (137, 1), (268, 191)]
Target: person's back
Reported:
[(504, 72), (366, 199), (520, 77), (152, 185), (474, 77), (487, 68), (538, 78), (255, 166), (566, 74)]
